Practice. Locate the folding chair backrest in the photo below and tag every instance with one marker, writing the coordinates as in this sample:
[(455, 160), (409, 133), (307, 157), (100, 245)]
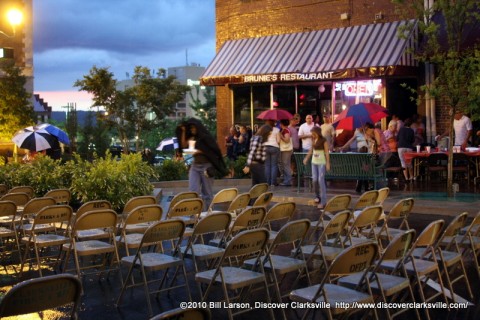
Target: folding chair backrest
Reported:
[(382, 195), (26, 189), (36, 204), (401, 209), (239, 203), (353, 259), (105, 218), (138, 201), (40, 294), (250, 218), (368, 216), (223, 197), (336, 225), (399, 246), (163, 230), (93, 206), (19, 198), (293, 231), (187, 207), (190, 314), (263, 199), (182, 196), (7, 208), (338, 203), (215, 222), (143, 214), (430, 234), (474, 228), (247, 242), (256, 190), (280, 211), (54, 214), (368, 198), (3, 189), (60, 195), (454, 227)]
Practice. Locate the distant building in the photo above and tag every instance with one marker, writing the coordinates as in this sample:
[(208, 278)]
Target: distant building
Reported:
[(41, 108), (188, 75)]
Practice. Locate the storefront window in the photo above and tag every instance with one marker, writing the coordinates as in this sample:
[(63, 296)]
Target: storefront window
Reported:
[(284, 98), (348, 93)]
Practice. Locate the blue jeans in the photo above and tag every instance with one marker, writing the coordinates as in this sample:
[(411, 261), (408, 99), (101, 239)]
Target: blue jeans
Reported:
[(286, 161), (271, 164), (318, 180), (200, 183)]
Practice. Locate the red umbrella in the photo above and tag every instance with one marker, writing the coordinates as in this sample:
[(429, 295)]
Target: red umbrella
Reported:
[(357, 115), (275, 114)]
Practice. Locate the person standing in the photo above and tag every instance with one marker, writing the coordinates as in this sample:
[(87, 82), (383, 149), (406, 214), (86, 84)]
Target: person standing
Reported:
[(231, 142), (293, 128), (328, 131), (319, 152), (462, 127), (405, 140), (243, 142), (391, 135), (256, 156), (304, 133), (286, 151), (207, 159), (272, 148)]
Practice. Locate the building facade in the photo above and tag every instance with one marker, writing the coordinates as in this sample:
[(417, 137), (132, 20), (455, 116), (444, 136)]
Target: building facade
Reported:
[(310, 57)]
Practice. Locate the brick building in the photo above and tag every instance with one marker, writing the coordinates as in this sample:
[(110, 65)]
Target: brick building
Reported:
[(309, 57)]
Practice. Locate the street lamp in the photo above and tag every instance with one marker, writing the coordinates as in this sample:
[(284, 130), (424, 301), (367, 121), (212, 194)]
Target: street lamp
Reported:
[(15, 18)]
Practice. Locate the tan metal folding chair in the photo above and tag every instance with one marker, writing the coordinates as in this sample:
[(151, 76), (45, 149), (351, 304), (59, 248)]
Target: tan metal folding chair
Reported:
[(190, 314), (256, 190), (25, 189), (28, 213), (382, 195), (329, 244), (182, 196), (423, 270), (354, 259), (221, 200), (368, 198), (240, 202), (363, 225), (94, 205), (281, 212), (148, 262), (135, 225), (235, 279), (134, 202), (36, 295), (399, 212), (19, 198), (9, 243), (104, 253), (61, 196), (278, 266), (189, 211), (263, 200), (450, 256), (336, 204), (389, 287), (55, 218), (469, 242)]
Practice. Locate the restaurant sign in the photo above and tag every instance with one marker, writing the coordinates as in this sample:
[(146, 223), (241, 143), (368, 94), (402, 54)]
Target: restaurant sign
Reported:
[(293, 76)]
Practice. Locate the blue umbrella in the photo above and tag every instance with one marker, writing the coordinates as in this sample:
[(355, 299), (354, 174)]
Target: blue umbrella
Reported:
[(55, 131), (168, 144)]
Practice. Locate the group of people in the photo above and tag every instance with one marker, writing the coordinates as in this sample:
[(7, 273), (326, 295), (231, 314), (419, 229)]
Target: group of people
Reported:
[(269, 151)]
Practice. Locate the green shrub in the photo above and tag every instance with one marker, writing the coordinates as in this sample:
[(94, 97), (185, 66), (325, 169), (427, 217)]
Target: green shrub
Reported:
[(238, 166), (172, 170)]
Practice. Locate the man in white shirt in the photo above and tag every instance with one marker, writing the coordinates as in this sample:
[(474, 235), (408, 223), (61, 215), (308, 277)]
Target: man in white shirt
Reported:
[(328, 131), (304, 133), (462, 127)]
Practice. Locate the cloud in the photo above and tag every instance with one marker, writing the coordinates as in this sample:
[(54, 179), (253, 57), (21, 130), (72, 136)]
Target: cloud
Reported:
[(72, 36)]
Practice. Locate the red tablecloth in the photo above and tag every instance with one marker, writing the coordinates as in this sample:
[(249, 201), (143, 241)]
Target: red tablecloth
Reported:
[(410, 155)]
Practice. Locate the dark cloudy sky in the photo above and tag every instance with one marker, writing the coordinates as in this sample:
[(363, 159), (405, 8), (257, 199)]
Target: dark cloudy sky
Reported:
[(70, 36)]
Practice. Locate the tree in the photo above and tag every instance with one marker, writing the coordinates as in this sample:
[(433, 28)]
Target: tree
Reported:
[(206, 111), (127, 110), (16, 111), (443, 29)]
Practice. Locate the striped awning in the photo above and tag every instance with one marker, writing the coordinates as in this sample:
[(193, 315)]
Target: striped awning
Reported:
[(367, 50)]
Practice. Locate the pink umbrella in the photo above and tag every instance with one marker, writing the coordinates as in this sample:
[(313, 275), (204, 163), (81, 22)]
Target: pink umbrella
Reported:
[(275, 114)]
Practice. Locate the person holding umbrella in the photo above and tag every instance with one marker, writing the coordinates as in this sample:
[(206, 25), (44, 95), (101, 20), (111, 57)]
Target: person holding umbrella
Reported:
[(207, 158)]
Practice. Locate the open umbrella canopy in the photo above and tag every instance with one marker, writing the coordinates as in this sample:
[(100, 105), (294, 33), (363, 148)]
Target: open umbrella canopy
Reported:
[(35, 139), (357, 115), (55, 131), (275, 114), (168, 144)]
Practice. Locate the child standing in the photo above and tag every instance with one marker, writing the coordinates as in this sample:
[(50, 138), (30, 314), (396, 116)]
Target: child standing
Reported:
[(320, 164)]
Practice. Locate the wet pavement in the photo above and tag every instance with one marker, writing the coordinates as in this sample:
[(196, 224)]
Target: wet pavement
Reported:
[(98, 301)]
